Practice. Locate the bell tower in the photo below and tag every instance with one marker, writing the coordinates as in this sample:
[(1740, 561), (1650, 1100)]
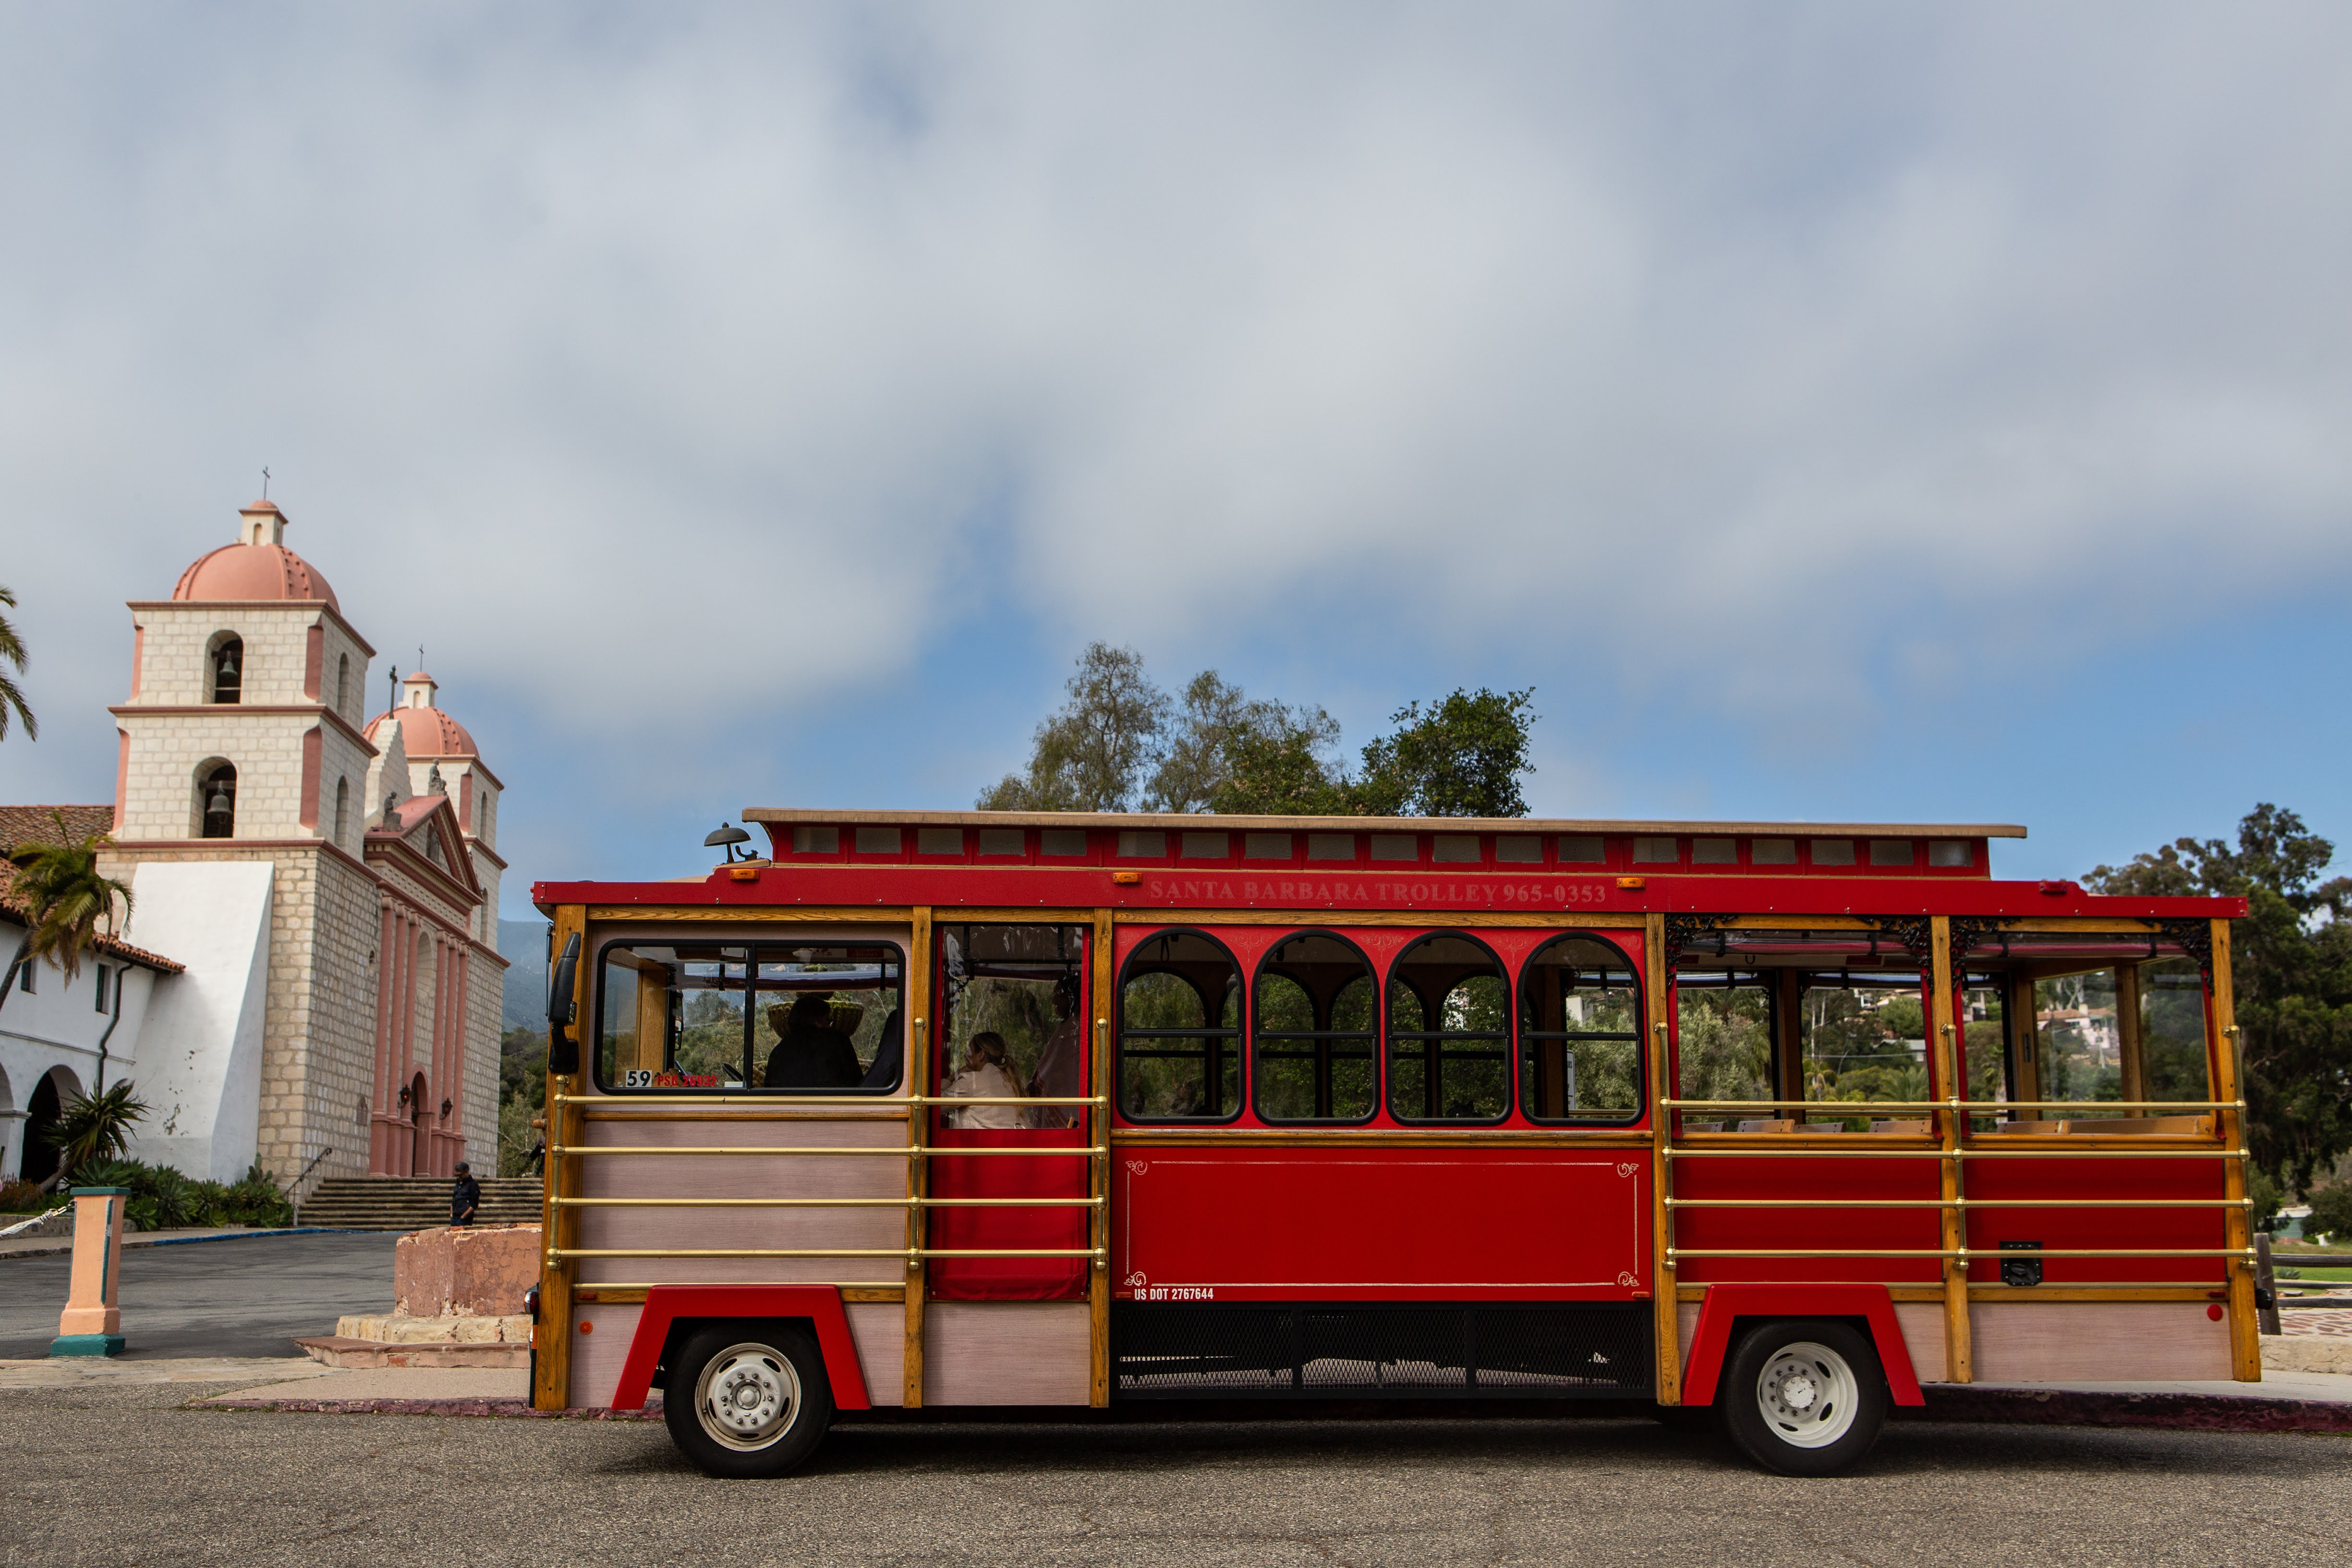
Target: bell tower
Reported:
[(243, 720)]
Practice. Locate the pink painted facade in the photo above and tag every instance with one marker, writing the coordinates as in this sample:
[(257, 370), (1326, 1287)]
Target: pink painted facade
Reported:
[(426, 903)]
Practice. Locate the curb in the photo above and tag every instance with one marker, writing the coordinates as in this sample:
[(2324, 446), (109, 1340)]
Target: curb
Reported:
[(513, 1409), (132, 1240), (2181, 1411)]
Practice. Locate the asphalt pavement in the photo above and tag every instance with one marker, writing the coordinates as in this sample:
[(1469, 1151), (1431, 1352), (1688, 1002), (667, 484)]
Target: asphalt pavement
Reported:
[(245, 1296), (103, 1475)]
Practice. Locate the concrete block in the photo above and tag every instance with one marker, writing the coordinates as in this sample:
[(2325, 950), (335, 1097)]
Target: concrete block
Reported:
[(479, 1271)]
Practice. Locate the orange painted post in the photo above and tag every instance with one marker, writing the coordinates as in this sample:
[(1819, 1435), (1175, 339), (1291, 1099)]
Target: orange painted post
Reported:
[(92, 1323)]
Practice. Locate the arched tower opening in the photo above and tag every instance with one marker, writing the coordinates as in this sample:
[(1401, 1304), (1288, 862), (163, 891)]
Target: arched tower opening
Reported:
[(224, 668), (216, 799)]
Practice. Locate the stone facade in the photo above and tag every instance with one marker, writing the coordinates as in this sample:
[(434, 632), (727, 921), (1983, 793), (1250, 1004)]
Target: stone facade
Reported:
[(382, 972)]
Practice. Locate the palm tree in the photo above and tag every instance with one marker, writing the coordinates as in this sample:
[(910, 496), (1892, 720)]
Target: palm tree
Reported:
[(94, 1127), (11, 651), (68, 898)]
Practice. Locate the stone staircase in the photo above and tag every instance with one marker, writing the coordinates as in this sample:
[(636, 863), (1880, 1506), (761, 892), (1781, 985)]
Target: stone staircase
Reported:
[(415, 1203)]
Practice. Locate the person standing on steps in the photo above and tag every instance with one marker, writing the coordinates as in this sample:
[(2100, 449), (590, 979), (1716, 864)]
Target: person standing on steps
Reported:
[(465, 1197)]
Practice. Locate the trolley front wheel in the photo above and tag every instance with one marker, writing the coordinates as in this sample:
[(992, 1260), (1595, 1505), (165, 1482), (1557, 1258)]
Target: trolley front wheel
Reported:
[(748, 1400), (1804, 1396)]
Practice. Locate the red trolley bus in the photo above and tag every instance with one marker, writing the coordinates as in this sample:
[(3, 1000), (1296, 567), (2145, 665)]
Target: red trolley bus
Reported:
[(972, 1109)]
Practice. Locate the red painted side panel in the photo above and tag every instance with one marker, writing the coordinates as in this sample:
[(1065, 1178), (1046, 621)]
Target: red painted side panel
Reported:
[(1565, 893), (1008, 1176), (2079, 1216), (821, 1304), (1387, 1224), (1803, 1183)]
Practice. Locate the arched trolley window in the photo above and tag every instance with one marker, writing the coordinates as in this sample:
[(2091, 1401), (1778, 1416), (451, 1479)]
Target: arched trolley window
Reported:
[(1449, 1032), (1179, 1033), (1580, 1034), (822, 1018), (1315, 1032)]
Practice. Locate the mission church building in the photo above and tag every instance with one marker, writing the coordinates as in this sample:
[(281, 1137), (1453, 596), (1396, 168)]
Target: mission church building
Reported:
[(326, 882)]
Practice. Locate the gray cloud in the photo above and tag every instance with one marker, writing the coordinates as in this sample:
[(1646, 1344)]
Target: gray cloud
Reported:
[(1722, 344)]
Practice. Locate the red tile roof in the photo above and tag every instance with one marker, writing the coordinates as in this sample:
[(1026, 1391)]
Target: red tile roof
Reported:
[(32, 825), (38, 824)]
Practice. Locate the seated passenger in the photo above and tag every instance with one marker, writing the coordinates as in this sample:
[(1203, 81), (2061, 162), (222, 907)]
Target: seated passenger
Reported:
[(985, 1074), (1056, 1077), (889, 1056), (810, 1052)]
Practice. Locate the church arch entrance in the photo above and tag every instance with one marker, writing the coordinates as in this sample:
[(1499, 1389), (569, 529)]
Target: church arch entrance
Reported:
[(38, 1162), (420, 1128)]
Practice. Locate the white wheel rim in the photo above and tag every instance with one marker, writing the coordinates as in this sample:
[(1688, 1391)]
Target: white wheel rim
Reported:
[(1808, 1396), (748, 1396)]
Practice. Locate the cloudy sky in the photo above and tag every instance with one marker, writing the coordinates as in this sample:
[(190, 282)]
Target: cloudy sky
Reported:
[(1832, 411)]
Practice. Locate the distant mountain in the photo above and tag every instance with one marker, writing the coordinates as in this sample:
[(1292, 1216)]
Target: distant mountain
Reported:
[(523, 944)]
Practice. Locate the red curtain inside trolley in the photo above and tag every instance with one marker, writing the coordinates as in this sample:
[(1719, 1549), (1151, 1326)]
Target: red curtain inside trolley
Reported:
[(1012, 1041)]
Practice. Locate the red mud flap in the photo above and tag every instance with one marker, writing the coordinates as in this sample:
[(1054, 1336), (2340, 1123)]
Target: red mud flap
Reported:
[(820, 1304), (1727, 1303)]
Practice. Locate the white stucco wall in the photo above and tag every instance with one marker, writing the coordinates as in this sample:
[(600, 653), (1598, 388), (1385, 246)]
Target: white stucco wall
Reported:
[(201, 1050), (60, 1026)]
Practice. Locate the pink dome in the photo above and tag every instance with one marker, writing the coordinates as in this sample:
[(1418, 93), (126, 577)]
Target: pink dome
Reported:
[(245, 571), (425, 730)]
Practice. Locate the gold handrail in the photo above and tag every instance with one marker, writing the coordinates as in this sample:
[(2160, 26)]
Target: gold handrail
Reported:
[(1815, 1151), (831, 1101), (825, 1203), (909, 1253), (1962, 1252), (1960, 1202), (1857, 1107), (916, 1151)]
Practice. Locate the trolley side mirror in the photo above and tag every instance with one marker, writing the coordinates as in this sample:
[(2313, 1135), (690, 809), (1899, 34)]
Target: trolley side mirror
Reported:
[(562, 1050)]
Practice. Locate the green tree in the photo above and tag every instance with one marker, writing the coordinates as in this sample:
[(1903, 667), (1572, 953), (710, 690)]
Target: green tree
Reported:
[(67, 897), (1119, 741), (2331, 1212), (11, 699), (1095, 753), (1462, 757), (2291, 963), (1217, 732)]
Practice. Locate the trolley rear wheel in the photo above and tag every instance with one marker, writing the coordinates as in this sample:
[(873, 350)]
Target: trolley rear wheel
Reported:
[(1804, 1396), (748, 1400)]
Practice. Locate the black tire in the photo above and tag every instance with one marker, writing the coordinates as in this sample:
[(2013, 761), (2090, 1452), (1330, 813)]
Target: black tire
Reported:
[(745, 1401), (1802, 1396)]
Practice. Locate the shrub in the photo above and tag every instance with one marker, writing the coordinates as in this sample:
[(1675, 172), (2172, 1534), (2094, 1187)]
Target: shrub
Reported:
[(162, 1198), (25, 1197), (2331, 1212)]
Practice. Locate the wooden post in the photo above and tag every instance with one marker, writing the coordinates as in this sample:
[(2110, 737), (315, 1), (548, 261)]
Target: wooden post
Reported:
[(1789, 1068), (1665, 1296), (2128, 1036), (2024, 1036), (2229, 1085), (653, 1016), (1098, 1119), (2266, 1285), (919, 1128), (551, 1335), (1943, 1010)]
